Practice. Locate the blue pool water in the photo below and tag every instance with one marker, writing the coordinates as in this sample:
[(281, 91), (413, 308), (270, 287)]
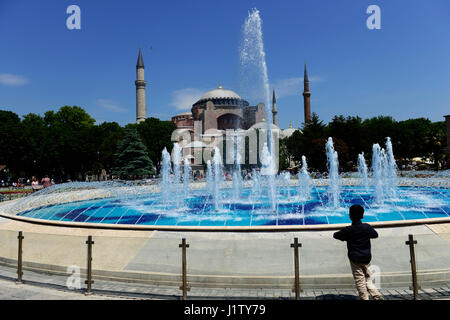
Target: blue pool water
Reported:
[(198, 208)]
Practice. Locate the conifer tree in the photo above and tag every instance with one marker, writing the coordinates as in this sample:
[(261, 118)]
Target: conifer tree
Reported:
[(131, 159)]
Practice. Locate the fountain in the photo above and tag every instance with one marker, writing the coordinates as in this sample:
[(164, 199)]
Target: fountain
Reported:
[(256, 186), (362, 170), (391, 170), (254, 73), (267, 200), (268, 171), (165, 175), (217, 177), (304, 188), (284, 184), (384, 173), (237, 177), (176, 156), (333, 175), (186, 176)]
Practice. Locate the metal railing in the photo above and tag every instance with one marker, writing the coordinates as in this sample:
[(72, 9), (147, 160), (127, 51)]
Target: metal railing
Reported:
[(185, 286)]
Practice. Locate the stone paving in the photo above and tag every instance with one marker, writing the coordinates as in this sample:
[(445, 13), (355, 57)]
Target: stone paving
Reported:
[(50, 287)]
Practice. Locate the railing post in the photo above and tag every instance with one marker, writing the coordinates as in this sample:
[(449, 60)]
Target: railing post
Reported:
[(184, 286), (89, 280), (297, 289), (415, 286), (19, 258)]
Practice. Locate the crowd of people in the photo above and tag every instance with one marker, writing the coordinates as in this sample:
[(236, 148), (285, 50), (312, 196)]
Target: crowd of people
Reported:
[(34, 182)]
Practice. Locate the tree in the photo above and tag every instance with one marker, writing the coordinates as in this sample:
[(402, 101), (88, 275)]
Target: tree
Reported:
[(131, 158), (309, 142), (156, 135), (109, 134), (10, 140), (69, 143), (33, 134), (435, 140), (351, 133)]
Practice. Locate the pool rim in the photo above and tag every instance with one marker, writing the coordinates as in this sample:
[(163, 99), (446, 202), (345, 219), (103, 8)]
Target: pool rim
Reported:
[(271, 228)]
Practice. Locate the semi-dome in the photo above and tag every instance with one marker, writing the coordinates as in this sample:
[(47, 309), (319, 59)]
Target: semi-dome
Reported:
[(189, 113)]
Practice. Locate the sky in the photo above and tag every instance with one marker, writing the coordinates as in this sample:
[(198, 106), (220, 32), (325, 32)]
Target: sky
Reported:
[(400, 70)]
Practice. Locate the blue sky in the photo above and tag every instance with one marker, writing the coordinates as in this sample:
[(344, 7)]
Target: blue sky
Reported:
[(401, 70)]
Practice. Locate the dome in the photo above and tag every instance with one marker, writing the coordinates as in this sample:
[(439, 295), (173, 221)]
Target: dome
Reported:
[(263, 125), (286, 133), (220, 94)]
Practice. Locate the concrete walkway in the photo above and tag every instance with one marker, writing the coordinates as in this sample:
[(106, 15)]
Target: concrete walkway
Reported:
[(37, 286)]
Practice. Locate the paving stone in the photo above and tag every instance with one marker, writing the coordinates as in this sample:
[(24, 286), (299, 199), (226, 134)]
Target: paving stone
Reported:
[(46, 286)]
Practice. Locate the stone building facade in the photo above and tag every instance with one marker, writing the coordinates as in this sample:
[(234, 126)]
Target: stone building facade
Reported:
[(222, 109), (210, 118)]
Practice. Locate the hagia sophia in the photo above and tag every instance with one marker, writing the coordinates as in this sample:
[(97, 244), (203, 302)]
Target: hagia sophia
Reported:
[(217, 111)]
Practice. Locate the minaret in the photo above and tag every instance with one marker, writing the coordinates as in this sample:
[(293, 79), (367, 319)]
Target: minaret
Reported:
[(140, 90), (274, 109), (306, 98)]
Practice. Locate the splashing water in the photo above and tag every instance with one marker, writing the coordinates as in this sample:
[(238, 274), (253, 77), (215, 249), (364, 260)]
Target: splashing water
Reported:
[(268, 170), (378, 172), (391, 170), (237, 177), (253, 62), (186, 176), (284, 184), (253, 68), (362, 170), (304, 180), (217, 177), (384, 172), (256, 186), (176, 160), (333, 174), (165, 173)]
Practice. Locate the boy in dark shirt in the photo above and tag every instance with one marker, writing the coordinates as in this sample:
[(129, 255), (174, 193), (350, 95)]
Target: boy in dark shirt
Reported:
[(358, 237)]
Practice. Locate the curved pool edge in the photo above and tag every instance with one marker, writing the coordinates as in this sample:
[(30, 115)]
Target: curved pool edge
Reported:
[(271, 228)]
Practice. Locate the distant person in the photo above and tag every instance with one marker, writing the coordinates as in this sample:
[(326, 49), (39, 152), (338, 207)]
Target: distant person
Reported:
[(34, 184), (358, 237), (46, 182)]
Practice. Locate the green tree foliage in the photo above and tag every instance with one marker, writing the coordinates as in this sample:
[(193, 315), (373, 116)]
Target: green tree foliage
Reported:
[(67, 144), (351, 136), (34, 137), (156, 135), (131, 158), (10, 139)]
